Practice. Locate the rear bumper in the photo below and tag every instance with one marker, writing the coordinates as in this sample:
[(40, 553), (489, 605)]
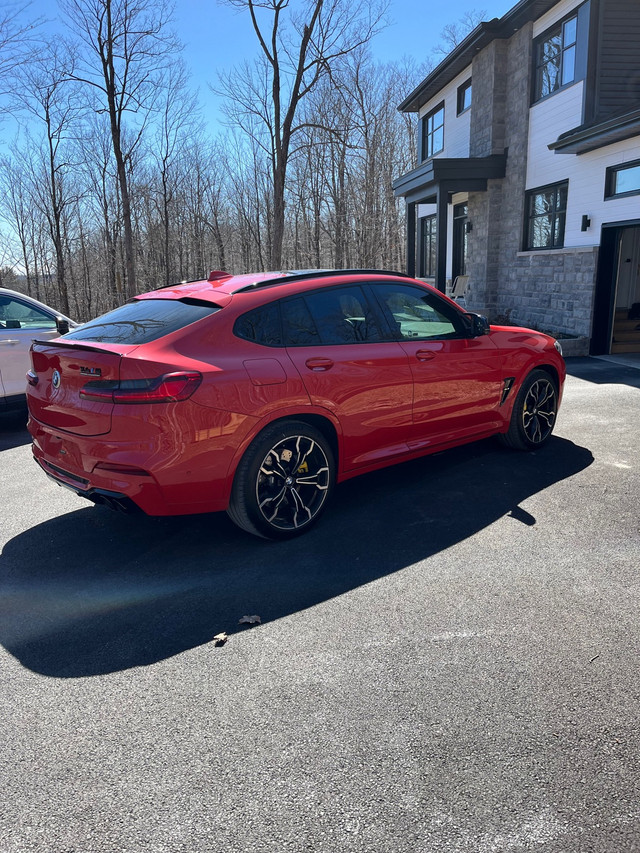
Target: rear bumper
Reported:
[(154, 474), (103, 497)]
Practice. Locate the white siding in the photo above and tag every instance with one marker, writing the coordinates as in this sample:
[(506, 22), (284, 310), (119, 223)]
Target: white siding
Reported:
[(559, 11), (585, 172), (457, 129), (547, 120), (586, 192)]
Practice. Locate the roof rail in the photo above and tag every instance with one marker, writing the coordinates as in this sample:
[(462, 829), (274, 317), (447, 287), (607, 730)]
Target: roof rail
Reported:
[(300, 275)]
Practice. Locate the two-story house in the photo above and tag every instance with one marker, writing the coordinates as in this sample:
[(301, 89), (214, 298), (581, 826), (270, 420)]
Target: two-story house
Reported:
[(529, 170)]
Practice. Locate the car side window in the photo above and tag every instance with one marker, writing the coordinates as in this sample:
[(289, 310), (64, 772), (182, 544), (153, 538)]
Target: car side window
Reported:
[(343, 316), (15, 314), (298, 328), (417, 314), (262, 325)]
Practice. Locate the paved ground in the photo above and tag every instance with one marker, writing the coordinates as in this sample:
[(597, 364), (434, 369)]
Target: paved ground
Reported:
[(449, 663)]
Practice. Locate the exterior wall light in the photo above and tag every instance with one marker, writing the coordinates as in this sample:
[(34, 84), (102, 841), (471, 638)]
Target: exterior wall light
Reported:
[(586, 223)]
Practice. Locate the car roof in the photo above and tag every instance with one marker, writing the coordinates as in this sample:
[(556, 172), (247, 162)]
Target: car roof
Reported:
[(221, 285)]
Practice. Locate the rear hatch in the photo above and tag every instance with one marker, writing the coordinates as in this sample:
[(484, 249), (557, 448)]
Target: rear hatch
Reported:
[(73, 376), (60, 370)]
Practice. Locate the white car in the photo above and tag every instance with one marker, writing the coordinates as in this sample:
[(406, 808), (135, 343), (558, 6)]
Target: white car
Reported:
[(21, 320)]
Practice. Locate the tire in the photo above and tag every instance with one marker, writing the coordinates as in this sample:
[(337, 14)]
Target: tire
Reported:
[(283, 481), (534, 413)]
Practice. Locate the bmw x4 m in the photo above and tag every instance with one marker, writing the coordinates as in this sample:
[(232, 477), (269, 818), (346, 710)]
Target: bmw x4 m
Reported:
[(257, 394)]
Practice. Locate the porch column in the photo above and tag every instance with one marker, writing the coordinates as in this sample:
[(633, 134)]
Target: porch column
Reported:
[(411, 239), (442, 200)]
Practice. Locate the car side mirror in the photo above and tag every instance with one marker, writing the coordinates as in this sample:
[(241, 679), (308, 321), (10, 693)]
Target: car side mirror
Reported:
[(62, 325), (478, 325)]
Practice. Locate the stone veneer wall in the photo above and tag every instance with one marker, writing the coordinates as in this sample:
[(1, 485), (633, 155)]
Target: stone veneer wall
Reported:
[(552, 291), (488, 116), (499, 122), (548, 290)]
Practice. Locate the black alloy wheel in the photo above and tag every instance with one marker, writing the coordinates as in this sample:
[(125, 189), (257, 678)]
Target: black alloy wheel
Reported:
[(534, 412), (283, 481)]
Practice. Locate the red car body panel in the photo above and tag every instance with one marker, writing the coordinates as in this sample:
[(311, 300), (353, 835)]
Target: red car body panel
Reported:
[(380, 402)]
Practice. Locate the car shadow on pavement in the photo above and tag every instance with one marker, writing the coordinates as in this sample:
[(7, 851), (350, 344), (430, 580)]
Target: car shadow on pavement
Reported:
[(94, 591)]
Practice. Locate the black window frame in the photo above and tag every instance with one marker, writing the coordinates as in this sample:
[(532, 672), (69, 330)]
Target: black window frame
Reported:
[(428, 241), (462, 91), (428, 134), (610, 175), (558, 30), (554, 215)]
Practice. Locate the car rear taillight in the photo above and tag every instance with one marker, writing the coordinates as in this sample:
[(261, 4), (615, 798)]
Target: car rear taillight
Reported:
[(170, 388)]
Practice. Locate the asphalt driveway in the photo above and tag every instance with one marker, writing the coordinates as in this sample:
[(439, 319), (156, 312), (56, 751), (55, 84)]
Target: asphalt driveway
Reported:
[(449, 662)]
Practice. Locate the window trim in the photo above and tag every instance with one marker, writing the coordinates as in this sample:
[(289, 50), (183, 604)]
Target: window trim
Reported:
[(610, 176), (462, 90), (529, 194), (557, 28), (425, 135)]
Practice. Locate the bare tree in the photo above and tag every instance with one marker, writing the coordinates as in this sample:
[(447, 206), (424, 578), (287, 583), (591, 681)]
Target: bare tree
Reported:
[(102, 204), (177, 124), (453, 34), (15, 39), (125, 48), (43, 92), (20, 210), (297, 49)]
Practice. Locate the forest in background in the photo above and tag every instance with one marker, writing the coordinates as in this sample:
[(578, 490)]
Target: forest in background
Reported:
[(113, 187)]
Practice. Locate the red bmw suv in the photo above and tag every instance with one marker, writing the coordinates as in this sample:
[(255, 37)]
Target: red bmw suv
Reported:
[(256, 394)]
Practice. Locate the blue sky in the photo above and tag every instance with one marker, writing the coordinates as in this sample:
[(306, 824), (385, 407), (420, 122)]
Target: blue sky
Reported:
[(216, 36)]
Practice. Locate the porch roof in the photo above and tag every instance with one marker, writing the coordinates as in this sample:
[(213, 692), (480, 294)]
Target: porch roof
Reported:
[(455, 174), (590, 137)]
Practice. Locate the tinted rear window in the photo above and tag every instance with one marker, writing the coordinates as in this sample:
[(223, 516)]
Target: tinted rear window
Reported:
[(142, 321)]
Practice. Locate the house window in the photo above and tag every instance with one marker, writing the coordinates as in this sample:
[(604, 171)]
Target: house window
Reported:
[(623, 180), (546, 213), (555, 55), (433, 132), (464, 97), (428, 242)]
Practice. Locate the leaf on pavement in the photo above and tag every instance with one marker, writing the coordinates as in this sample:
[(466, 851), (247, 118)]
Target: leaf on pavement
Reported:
[(220, 639), (250, 620)]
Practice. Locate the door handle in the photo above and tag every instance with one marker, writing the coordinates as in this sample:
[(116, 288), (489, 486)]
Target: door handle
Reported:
[(9, 342), (425, 354), (319, 364)]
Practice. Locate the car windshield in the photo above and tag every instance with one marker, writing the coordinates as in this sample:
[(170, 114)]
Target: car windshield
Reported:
[(142, 320)]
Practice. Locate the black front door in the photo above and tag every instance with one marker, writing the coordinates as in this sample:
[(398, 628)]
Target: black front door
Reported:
[(617, 295)]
